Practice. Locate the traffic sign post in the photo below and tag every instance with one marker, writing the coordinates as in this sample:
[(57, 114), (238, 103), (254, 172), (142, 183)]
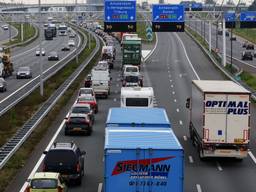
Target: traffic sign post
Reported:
[(120, 16), (168, 18), (248, 19), (149, 33), (230, 18)]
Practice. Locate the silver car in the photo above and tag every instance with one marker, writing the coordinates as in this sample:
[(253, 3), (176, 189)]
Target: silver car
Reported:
[(24, 72), (3, 85)]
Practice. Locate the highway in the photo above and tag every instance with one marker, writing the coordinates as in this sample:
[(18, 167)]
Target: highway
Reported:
[(175, 62), (237, 45), (5, 34)]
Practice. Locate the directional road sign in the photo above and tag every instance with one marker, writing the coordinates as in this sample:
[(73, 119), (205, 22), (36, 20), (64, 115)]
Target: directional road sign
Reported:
[(248, 19), (168, 18), (230, 19), (196, 6), (120, 16), (149, 33)]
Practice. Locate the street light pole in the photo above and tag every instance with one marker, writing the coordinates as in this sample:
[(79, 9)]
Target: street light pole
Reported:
[(231, 49), (40, 49), (224, 43)]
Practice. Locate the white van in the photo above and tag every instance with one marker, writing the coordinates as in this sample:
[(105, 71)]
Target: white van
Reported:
[(137, 97)]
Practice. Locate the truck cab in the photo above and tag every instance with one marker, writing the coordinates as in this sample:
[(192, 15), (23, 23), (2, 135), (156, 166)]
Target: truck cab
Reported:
[(137, 97)]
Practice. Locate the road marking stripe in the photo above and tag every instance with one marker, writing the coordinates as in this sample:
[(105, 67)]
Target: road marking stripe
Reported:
[(181, 123), (187, 56), (198, 187), (115, 99), (218, 166), (252, 156), (100, 187), (178, 110), (173, 92), (175, 100), (185, 138), (171, 86), (190, 159)]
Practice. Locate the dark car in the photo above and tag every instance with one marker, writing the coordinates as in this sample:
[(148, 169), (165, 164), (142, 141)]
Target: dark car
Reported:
[(233, 38), (66, 159), (24, 72), (3, 85), (53, 56), (78, 123), (247, 55), (249, 46), (220, 33), (88, 81), (65, 48)]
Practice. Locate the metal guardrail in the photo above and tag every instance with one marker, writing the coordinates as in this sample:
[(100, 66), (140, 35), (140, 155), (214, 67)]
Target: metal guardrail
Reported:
[(26, 89), (7, 151), (221, 68)]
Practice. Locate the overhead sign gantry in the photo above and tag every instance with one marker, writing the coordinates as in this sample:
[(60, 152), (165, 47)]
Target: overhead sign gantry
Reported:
[(120, 16), (248, 19), (168, 18)]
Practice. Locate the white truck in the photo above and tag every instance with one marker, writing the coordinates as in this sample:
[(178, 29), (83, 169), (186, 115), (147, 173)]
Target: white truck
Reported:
[(137, 97), (100, 78), (219, 119)]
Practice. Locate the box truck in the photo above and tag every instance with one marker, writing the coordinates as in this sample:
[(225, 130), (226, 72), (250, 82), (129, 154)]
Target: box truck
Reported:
[(219, 118), (142, 160), (138, 117)]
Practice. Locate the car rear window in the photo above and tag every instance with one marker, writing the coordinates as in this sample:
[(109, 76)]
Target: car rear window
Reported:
[(80, 110), (137, 102), (132, 79), (131, 69), (44, 184), (60, 156), (76, 119)]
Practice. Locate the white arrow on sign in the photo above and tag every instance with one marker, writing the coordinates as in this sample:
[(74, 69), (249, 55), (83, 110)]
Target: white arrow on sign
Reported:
[(131, 18), (108, 17)]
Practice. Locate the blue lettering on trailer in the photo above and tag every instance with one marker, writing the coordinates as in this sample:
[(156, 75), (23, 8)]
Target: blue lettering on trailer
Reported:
[(232, 107)]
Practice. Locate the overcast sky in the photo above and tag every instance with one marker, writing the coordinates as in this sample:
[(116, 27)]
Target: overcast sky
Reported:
[(83, 1)]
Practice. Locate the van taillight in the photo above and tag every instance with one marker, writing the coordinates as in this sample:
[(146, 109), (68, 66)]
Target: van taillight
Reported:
[(78, 167)]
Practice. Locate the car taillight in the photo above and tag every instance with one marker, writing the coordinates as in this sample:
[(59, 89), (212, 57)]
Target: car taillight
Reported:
[(78, 167), (60, 189)]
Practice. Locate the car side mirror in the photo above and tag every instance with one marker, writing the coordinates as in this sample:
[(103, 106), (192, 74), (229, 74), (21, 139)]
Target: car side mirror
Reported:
[(83, 152), (45, 152), (188, 103)]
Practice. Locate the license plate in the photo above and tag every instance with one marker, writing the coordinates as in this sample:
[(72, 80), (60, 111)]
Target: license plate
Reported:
[(77, 129)]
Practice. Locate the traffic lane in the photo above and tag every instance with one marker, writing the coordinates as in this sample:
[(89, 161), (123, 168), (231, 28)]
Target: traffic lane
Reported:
[(226, 166), (5, 34), (197, 172), (237, 48), (33, 61)]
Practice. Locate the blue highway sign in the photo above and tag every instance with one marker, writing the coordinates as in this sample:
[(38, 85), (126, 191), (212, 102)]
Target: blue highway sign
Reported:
[(197, 6), (120, 11), (248, 16), (168, 13), (230, 16)]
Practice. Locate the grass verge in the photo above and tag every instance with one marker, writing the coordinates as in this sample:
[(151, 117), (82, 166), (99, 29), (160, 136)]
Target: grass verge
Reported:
[(28, 31), (248, 34), (17, 116), (141, 30)]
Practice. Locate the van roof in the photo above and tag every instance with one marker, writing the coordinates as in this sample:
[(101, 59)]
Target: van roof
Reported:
[(138, 117), (219, 86), (125, 138)]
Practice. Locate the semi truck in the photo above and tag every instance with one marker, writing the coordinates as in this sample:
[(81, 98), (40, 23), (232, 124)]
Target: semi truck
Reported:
[(131, 50), (138, 117), (48, 34), (219, 119), (142, 160)]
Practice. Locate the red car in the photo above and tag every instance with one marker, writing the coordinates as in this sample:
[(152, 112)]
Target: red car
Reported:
[(88, 99)]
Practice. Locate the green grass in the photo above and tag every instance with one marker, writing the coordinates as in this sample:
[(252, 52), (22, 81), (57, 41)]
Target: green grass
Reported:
[(28, 31), (248, 34), (16, 117), (249, 79), (141, 30)]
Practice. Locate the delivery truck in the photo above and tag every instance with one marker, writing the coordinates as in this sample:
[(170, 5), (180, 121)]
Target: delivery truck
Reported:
[(138, 117), (219, 119), (142, 160)]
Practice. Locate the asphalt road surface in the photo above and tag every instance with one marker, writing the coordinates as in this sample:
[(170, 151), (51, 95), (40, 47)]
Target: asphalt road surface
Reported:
[(6, 34), (175, 62)]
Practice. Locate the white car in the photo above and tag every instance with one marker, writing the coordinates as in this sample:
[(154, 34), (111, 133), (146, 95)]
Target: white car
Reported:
[(5, 27), (71, 43), (42, 52)]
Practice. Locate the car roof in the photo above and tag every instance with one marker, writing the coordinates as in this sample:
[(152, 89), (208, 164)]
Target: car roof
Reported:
[(81, 105), (45, 175), (62, 146), (87, 96)]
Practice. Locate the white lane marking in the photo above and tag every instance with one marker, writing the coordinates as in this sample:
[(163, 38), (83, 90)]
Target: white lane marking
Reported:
[(185, 138), (252, 156), (187, 56), (168, 71), (219, 166), (175, 100), (100, 187), (170, 80), (115, 99), (43, 155), (198, 187), (173, 92), (181, 123), (190, 159), (178, 110), (38, 75), (171, 86), (170, 75), (153, 50)]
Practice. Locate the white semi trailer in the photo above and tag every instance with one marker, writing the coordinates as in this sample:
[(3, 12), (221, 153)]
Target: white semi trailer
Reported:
[(219, 118)]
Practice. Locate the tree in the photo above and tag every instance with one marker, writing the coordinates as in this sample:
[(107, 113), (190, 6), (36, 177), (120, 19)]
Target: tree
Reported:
[(209, 1), (252, 7)]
